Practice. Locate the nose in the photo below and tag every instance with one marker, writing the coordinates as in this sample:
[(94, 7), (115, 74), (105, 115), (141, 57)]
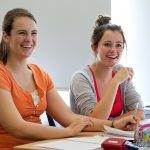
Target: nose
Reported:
[(113, 47), (28, 37)]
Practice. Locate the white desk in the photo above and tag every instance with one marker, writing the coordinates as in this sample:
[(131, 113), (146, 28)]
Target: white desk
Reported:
[(32, 146)]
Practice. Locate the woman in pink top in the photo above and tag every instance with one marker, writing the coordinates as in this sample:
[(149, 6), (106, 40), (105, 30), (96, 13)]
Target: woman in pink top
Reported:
[(26, 91), (104, 89)]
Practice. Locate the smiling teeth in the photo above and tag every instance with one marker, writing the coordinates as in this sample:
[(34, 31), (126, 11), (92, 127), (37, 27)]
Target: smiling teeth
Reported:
[(112, 57), (26, 46)]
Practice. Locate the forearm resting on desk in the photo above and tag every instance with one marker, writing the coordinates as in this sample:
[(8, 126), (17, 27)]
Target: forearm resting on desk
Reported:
[(98, 125), (119, 124), (39, 132)]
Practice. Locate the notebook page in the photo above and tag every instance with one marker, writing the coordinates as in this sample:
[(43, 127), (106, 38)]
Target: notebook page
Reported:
[(119, 132)]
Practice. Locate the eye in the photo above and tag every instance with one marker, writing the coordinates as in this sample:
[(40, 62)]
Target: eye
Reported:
[(22, 33), (34, 33), (119, 45), (107, 44)]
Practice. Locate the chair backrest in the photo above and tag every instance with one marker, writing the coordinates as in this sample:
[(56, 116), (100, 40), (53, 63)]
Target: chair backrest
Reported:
[(50, 120)]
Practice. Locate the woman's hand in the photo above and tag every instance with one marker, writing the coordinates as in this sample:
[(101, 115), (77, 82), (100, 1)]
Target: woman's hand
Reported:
[(124, 74), (128, 123), (78, 125)]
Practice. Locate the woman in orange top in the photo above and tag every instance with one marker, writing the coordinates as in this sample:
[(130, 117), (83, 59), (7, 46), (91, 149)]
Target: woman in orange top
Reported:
[(26, 91)]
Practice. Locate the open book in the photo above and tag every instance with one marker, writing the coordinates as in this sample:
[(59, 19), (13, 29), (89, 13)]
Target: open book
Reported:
[(119, 132)]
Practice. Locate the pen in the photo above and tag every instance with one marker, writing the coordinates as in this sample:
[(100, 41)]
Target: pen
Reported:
[(130, 146)]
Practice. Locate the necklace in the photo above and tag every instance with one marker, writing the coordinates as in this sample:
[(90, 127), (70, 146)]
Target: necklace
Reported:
[(35, 97)]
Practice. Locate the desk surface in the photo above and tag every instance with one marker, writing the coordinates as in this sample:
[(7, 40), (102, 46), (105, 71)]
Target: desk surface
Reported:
[(32, 146)]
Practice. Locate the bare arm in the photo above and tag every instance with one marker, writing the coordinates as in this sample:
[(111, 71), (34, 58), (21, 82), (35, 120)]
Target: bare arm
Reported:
[(57, 108), (103, 108), (125, 123), (13, 123)]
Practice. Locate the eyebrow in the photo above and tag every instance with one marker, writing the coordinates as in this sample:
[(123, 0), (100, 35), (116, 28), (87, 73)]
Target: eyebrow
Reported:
[(26, 30), (111, 41)]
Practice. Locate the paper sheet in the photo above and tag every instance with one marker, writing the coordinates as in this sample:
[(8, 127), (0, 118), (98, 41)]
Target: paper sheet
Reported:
[(119, 132), (70, 145), (93, 139), (78, 143), (81, 143)]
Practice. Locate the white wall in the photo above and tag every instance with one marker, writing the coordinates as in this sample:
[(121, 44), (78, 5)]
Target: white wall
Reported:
[(65, 30), (134, 17)]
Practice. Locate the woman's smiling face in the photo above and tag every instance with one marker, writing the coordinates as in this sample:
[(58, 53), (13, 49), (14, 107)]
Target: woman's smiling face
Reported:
[(23, 37), (110, 48)]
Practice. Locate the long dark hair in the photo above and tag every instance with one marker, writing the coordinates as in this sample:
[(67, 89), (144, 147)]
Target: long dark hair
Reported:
[(7, 27)]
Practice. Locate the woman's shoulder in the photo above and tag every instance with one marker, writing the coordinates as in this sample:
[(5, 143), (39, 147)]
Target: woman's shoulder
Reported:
[(82, 74), (2, 66), (83, 71), (41, 77), (38, 71), (5, 78), (36, 68), (3, 70)]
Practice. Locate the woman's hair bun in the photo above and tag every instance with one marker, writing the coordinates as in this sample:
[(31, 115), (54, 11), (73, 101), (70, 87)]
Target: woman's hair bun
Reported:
[(102, 20)]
